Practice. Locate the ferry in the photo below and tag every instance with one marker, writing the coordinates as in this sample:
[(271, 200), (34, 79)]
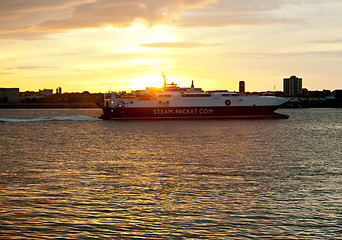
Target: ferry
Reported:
[(174, 102)]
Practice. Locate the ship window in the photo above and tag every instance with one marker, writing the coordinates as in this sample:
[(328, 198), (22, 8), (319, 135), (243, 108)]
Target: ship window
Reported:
[(164, 95), (126, 96), (196, 95)]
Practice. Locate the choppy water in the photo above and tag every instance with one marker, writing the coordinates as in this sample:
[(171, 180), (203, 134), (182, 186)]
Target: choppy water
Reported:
[(64, 174)]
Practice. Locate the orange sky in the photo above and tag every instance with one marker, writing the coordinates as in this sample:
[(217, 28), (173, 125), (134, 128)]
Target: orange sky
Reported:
[(101, 45)]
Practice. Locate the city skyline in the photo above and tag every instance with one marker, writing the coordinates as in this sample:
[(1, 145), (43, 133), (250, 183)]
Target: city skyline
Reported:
[(101, 45)]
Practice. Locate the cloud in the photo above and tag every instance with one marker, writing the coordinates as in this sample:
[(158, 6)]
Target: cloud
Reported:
[(289, 55), (328, 41), (172, 45), (21, 14), (40, 16), (31, 67), (35, 18), (261, 12)]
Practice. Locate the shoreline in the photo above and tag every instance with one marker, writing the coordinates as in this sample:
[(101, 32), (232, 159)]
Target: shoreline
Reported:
[(48, 105)]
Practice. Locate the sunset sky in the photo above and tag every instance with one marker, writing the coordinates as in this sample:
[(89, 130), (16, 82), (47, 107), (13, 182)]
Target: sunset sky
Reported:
[(102, 45)]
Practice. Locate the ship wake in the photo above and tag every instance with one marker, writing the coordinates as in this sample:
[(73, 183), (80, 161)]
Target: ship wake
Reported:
[(67, 118)]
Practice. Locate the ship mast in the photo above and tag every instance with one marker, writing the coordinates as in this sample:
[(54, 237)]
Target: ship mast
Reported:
[(164, 79)]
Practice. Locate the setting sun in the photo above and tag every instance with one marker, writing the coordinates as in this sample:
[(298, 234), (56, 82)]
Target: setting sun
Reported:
[(143, 82)]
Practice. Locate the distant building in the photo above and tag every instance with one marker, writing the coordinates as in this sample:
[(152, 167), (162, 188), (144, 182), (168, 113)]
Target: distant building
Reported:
[(9, 95), (335, 99), (337, 94), (46, 92), (292, 86), (59, 90), (241, 86)]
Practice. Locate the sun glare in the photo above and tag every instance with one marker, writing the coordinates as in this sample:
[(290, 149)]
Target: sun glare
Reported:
[(149, 81), (129, 39)]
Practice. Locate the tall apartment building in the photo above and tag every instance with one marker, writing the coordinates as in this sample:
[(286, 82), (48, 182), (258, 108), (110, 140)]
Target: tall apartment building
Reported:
[(292, 86), (9, 95)]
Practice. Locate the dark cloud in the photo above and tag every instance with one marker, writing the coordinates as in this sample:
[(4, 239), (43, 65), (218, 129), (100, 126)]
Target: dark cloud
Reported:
[(19, 14), (30, 18), (40, 16), (121, 13)]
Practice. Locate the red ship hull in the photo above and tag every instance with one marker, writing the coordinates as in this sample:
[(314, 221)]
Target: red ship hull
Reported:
[(241, 112)]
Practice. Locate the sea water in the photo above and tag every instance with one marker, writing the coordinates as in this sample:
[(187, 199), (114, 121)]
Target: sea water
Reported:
[(64, 174)]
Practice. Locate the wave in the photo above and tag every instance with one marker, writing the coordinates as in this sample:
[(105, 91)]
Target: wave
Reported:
[(68, 118)]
